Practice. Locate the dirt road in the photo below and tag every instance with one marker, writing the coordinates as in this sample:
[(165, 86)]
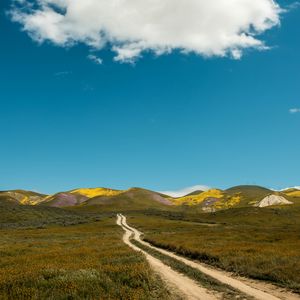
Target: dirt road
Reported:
[(261, 292), (186, 287)]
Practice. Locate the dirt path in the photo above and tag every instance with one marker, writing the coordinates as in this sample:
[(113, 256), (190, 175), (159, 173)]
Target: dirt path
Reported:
[(261, 291), (187, 287)]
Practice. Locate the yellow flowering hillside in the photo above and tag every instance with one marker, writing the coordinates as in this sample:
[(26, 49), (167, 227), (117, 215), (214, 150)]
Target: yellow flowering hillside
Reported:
[(197, 199), (211, 200), (293, 193), (95, 192)]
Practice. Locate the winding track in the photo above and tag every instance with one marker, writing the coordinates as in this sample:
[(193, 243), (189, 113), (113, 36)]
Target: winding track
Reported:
[(189, 288), (184, 285)]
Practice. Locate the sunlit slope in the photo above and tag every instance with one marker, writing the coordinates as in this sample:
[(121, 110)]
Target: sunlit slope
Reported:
[(198, 198), (292, 195), (252, 195), (95, 192), (249, 194), (135, 198), (194, 193), (77, 196), (24, 197), (293, 192), (211, 200), (238, 196)]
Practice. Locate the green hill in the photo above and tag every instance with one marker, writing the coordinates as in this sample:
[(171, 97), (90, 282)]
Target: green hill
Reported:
[(250, 194), (194, 193), (136, 198), (132, 199), (24, 197)]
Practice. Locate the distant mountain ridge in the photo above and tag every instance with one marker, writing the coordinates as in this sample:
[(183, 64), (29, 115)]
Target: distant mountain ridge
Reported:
[(208, 201)]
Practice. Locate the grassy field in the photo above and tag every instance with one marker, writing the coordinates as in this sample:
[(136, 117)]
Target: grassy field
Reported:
[(258, 243), (84, 261), (13, 215), (78, 252)]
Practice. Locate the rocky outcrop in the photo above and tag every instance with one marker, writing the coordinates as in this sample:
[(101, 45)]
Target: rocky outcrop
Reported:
[(273, 200)]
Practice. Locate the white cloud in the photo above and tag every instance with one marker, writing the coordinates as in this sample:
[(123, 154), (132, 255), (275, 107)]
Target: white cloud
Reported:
[(293, 187), (185, 191), (131, 27), (97, 60), (294, 110)]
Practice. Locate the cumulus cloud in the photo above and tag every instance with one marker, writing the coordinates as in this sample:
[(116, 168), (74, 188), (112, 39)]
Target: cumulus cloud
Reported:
[(97, 60), (294, 110), (131, 27), (185, 191)]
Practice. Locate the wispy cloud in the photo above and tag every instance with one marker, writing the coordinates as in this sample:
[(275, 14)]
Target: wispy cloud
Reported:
[(208, 28), (97, 60), (294, 110), (294, 5), (185, 191), (62, 73)]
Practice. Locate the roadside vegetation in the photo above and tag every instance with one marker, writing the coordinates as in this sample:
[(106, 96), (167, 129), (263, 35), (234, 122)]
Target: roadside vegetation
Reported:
[(257, 243), (85, 261), (226, 291)]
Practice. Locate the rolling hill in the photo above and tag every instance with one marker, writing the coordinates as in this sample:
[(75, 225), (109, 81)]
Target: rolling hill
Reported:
[(291, 192), (77, 196), (16, 215), (134, 198), (249, 194), (24, 197), (137, 198), (238, 196), (64, 199), (95, 192)]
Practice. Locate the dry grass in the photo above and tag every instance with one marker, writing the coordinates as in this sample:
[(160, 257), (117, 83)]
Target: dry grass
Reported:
[(267, 250), (87, 261)]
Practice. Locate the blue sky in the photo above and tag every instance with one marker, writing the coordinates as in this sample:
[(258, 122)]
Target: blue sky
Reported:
[(163, 123)]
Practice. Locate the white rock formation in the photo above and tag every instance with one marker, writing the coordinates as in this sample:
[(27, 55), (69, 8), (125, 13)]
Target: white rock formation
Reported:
[(273, 200)]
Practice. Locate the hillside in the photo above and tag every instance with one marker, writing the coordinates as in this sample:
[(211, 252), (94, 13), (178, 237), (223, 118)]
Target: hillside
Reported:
[(134, 198), (292, 192), (77, 196), (197, 192), (15, 215), (95, 192), (137, 198), (238, 196), (249, 194), (64, 199), (24, 197)]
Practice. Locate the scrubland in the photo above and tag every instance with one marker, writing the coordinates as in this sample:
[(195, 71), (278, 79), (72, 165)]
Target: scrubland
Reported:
[(78, 252), (84, 261), (257, 243)]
